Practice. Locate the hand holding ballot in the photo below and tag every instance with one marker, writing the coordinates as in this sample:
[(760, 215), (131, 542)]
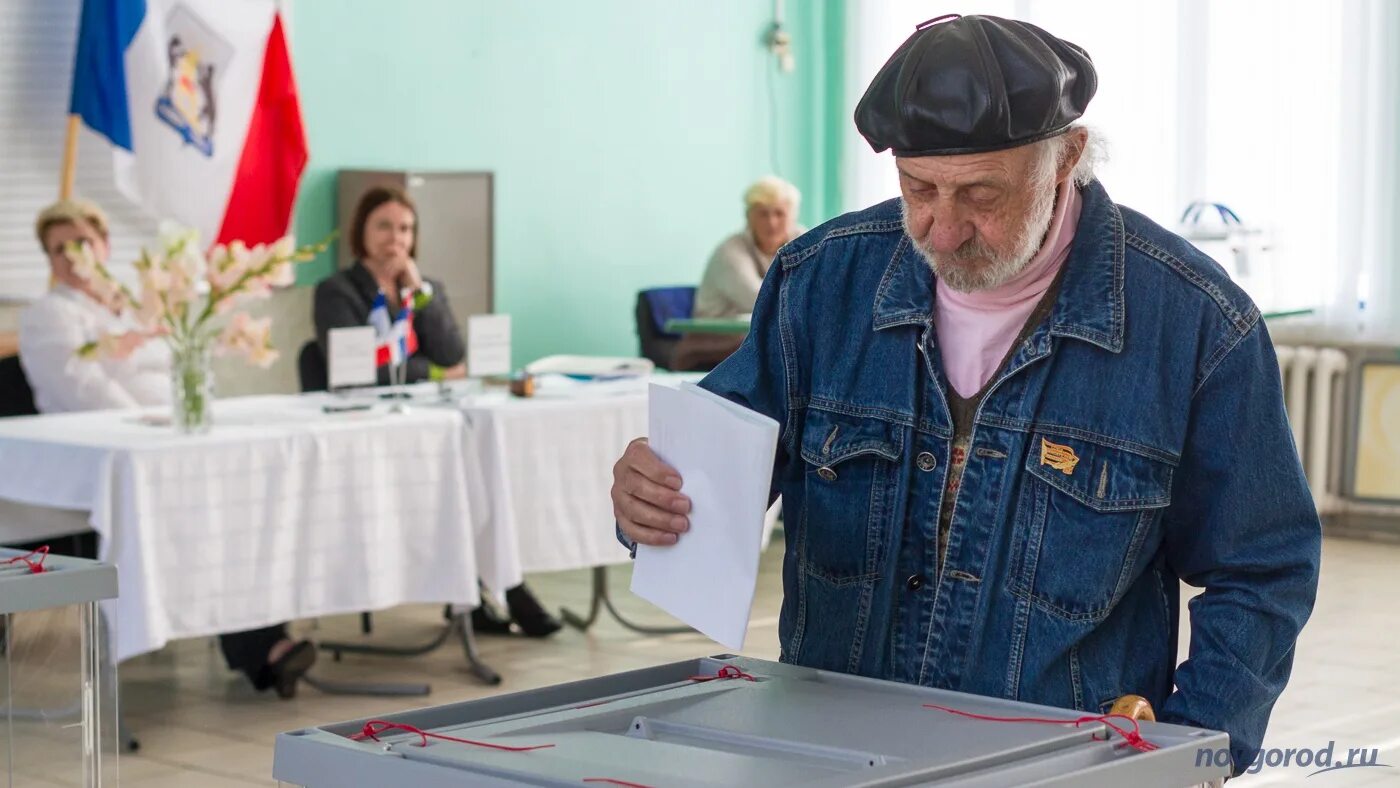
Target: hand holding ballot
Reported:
[(708, 464), (647, 502)]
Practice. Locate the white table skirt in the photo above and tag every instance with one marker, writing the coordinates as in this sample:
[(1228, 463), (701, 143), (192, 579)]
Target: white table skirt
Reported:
[(545, 467), (281, 512)]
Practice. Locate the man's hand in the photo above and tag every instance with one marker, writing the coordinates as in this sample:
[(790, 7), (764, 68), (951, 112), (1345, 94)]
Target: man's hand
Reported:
[(646, 497), (457, 371)]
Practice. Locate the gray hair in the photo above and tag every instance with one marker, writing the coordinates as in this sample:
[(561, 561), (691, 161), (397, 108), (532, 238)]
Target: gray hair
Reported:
[(1056, 148)]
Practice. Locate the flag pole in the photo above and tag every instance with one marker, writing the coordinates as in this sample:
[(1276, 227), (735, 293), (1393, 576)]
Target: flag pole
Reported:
[(70, 159)]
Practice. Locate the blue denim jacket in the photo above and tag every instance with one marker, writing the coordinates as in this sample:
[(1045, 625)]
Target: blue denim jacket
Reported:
[(1058, 586)]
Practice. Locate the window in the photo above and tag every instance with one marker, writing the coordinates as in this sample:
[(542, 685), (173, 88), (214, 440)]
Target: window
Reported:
[(36, 66), (1284, 110)]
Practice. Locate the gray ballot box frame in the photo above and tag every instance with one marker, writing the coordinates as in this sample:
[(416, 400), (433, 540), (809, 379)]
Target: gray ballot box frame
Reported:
[(791, 726), (64, 581)]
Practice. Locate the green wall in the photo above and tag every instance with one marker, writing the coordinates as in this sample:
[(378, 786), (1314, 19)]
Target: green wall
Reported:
[(621, 134)]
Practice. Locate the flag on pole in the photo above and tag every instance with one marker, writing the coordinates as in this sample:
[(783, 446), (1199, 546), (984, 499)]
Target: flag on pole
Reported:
[(198, 101)]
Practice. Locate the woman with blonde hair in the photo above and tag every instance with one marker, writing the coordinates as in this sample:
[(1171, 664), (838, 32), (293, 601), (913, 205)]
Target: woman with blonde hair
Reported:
[(738, 265), (135, 373)]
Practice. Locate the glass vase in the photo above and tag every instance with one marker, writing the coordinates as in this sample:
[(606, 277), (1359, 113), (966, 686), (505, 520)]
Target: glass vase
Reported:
[(192, 388)]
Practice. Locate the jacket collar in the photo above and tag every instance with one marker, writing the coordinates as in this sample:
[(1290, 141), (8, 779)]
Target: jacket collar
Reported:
[(1089, 306), (363, 280)]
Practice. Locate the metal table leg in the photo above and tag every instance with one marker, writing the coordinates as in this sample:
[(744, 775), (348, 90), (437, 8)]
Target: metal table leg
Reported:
[(459, 624), (385, 689), (480, 669), (601, 598)]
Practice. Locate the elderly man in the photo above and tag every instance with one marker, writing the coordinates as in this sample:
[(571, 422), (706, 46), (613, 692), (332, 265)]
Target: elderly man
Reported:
[(1015, 416)]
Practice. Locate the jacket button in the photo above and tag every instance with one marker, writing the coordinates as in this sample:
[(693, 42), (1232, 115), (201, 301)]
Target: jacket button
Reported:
[(915, 582), (827, 474), (926, 461)]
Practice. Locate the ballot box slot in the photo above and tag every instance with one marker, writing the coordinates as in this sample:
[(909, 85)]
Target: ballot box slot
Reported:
[(737, 743)]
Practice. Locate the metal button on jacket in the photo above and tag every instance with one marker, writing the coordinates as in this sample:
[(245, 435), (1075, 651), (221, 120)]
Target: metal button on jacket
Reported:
[(915, 582), (826, 473), (926, 461)]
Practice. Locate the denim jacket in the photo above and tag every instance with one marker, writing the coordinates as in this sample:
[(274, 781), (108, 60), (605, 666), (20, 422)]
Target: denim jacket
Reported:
[(1136, 439)]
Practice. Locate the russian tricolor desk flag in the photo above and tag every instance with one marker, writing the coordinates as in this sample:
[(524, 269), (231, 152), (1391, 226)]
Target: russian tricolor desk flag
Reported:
[(394, 341), (198, 100)]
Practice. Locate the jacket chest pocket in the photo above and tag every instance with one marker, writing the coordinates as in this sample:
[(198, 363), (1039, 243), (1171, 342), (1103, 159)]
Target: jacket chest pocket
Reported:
[(1085, 509), (850, 464)]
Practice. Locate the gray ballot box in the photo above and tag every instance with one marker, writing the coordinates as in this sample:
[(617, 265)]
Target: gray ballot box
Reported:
[(766, 724), (58, 711)]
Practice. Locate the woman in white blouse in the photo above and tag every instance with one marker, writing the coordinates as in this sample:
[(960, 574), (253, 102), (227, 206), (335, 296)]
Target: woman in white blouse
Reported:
[(737, 267), (135, 373), (70, 315)]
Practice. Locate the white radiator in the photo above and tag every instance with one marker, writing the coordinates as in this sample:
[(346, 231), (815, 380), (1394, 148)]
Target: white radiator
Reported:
[(1313, 386)]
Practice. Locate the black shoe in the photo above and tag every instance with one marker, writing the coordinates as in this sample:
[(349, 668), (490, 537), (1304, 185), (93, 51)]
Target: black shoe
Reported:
[(526, 611), (486, 621), (286, 671)]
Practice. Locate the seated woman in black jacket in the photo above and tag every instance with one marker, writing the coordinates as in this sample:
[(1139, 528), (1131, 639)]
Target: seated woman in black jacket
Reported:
[(383, 236)]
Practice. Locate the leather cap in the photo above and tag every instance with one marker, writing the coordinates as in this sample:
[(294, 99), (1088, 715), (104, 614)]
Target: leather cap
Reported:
[(971, 84)]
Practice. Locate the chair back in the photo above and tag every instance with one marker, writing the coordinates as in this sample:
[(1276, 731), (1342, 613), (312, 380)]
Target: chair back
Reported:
[(16, 398), (655, 307), (311, 367)]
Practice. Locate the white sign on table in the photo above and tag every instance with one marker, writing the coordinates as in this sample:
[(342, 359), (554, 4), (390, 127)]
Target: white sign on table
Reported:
[(350, 361), (488, 345)]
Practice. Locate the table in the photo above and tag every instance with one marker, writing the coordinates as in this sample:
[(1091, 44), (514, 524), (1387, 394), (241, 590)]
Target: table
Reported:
[(545, 464), (351, 511), (280, 512), (545, 467), (707, 325), (729, 720)]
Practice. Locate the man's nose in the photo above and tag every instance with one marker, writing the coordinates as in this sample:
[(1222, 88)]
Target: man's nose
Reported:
[(949, 233)]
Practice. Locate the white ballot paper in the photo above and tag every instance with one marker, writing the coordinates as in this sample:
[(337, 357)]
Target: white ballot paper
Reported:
[(724, 454)]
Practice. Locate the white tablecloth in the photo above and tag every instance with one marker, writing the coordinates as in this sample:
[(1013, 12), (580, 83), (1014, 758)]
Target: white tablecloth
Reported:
[(545, 467), (281, 512)]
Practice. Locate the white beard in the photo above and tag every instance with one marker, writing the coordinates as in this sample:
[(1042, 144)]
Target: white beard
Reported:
[(975, 265)]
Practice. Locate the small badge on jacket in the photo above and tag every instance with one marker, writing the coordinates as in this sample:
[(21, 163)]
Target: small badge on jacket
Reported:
[(1061, 458)]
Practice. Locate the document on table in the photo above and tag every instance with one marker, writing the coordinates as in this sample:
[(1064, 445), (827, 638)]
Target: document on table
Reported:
[(724, 454), (351, 357), (488, 345)]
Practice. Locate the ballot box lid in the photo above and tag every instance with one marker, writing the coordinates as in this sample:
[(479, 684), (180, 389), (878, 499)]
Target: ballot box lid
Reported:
[(760, 723), (61, 581)]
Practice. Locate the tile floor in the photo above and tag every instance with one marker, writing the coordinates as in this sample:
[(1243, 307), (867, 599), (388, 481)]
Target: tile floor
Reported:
[(200, 725)]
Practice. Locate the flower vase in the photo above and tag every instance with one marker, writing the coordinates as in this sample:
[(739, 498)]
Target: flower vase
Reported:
[(192, 388)]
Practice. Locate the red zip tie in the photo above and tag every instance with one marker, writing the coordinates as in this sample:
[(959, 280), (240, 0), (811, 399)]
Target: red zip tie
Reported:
[(35, 567), (375, 727), (611, 781), (1132, 737), (726, 672)]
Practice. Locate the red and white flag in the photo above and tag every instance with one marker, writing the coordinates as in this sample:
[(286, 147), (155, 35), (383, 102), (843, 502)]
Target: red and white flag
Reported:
[(200, 104)]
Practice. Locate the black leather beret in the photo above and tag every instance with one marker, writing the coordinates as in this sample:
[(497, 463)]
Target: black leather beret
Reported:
[(972, 84)]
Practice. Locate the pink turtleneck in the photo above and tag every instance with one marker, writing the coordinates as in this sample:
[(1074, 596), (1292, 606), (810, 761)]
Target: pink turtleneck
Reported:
[(976, 329)]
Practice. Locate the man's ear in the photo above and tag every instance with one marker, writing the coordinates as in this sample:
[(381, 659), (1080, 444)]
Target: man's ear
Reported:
[(1076, 140)]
